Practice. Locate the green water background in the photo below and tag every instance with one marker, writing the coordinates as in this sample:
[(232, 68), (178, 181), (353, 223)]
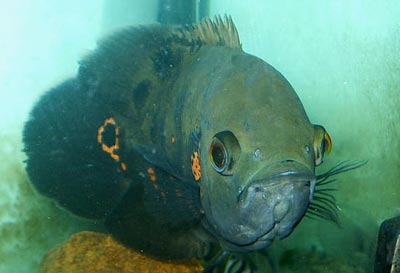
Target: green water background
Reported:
[(342, 58)]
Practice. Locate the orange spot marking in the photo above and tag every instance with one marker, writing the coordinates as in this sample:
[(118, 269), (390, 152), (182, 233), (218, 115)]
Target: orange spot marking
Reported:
[(111, 150), (100, 132), (151, 171), (196, 168), (105, 148), (116, 145), (110, 120), (114, 156), (152, 175)]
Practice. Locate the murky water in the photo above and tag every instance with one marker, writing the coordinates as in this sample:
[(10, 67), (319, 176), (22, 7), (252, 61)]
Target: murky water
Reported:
[(341, 57)]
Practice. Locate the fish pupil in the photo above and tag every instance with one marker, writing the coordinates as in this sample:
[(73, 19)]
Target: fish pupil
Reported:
[(218, 155)]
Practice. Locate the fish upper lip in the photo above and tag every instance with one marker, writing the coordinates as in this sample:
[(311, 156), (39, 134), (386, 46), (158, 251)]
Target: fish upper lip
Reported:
[(274, 179)]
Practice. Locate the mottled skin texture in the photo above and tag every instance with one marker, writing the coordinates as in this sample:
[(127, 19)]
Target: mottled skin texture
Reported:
[(173, 93)]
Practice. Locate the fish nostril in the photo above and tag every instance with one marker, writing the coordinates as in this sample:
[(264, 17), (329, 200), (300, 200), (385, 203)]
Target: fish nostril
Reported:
[(287, 161)]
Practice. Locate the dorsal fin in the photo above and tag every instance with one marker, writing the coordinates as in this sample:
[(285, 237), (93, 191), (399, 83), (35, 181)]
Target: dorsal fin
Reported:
[(219, 32), (132, 67)]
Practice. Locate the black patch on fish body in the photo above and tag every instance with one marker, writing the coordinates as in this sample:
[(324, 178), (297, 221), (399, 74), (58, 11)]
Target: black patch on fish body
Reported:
[(130, 140), (166, 60), (140, 92)]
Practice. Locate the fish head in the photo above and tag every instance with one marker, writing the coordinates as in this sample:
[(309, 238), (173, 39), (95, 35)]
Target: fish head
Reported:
[(258, 152)]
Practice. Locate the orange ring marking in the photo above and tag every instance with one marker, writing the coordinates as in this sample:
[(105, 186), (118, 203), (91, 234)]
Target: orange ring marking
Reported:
[(110, 149)]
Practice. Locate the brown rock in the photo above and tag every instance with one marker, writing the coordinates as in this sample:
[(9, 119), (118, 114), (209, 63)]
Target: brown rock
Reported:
[(96, 252)]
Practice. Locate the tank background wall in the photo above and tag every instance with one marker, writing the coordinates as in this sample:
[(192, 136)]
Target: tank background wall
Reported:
[(121, 13)]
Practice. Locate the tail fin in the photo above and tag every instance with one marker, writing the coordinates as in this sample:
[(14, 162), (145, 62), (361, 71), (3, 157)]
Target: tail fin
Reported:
[(66, 161)]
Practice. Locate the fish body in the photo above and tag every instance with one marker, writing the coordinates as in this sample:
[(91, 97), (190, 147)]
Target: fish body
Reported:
[(177, 138)]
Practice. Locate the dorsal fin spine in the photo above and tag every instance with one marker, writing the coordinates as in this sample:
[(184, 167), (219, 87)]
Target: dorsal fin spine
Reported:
[(218, 32)]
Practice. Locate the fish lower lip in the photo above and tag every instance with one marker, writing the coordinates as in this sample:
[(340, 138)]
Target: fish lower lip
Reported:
[(269, 235)]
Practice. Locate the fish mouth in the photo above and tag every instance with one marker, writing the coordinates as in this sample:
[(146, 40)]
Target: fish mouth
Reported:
[(277, 179), (270, 205)]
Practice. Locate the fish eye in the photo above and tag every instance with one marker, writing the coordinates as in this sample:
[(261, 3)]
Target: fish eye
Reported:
[(219, 156), (224, 152), (322, 144), (327, 143)]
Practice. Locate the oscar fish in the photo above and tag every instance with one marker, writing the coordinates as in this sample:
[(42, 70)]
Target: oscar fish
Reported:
[(180, 140)]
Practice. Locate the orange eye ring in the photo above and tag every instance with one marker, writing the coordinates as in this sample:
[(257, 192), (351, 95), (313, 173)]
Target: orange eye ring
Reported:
[(327, 143)]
